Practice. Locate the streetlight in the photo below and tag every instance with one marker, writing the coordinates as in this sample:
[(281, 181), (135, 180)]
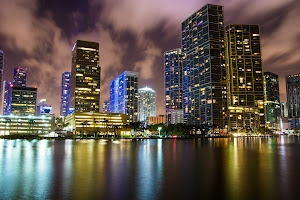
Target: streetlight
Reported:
[(159, 128)]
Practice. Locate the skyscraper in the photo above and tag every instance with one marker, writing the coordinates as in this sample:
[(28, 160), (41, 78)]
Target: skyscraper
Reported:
[(204, 71), (65, 94), (293, 95), (123, 96), (23, 101), (7, 87), (19, 79), (85, 77), (1, 68), (147, 104), (173, 81), (43, 107), (272, 101), (245, 77)]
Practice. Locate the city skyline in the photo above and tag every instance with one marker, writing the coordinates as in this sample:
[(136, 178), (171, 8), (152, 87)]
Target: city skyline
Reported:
[(46, 52)]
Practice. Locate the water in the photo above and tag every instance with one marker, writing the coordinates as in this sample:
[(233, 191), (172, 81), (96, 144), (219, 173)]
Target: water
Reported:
[(220, 168)]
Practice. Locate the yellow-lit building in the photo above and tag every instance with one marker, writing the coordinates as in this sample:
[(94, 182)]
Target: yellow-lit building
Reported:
[(160, 119), (13, 124), (97, 123)]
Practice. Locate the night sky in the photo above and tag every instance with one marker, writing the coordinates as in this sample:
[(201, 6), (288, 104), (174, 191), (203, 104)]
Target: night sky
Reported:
[(132, 34)]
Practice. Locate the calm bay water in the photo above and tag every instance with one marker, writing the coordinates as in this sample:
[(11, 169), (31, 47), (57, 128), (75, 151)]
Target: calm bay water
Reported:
[(222, 168)]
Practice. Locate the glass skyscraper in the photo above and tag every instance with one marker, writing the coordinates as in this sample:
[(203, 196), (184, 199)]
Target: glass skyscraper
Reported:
[(272, 100), (293, 95), (65, 93), (147, 104), (7, 87), (1, 68), (123, 96), (173, 81), (245, 77), (20, 75), (204, 71), (23, 101), (85, 77)]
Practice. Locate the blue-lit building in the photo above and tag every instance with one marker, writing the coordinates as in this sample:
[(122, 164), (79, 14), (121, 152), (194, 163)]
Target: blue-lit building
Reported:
[(1, 67), (65, 93), (20, 75), (147, 104), (173, 81), (106, 107), (123, 96), (7, 87), (204, 70), (43, 107)]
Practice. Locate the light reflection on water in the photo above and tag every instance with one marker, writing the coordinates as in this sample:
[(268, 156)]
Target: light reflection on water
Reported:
[(223, 168)]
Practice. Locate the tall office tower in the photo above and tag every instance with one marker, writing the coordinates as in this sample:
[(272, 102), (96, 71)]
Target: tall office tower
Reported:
[(65, 93), (204, 71), (7, 87), (293, 95), (106, 107), (19, 79), (85, 77), (1, 67), (173, 82), (43, 107), (245, 77), (272, 100), (23, 101), (123, 96), (147, 104)]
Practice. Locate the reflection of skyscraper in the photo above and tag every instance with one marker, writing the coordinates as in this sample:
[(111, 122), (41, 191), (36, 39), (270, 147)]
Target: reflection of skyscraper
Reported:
[(147, 104), (293, 95), (123, 96), (23, 101), (173, 81), (245, 77), (85, 77), (272, 104), (19, 79), (65, 93), (7, 87), (204, 71), (1, 68)]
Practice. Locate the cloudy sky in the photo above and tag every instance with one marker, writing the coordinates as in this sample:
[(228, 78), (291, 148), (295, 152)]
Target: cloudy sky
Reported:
[(133, 34)]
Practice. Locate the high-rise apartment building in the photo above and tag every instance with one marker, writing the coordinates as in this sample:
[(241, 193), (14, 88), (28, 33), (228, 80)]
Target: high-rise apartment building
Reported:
[(204, 71), (106, 107), (173, 81), (272, 100), (245, 77), (7, 87), (20, 75), (293, 95), (23, 101), (65, 93), (85, 77), (1, 68), (147, 104), (123, 96)]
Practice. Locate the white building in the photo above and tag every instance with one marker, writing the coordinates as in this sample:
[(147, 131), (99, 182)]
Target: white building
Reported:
[(147, 104)]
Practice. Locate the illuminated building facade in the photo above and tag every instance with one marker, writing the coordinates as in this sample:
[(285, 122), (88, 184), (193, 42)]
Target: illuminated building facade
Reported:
[(272, 101), (23, 101), (7, 87), (65, 93), (43, 107), (204, 71), (106, 107), (92, 122), (293, 95), (245, 77), (1, 67), (26, 124), (177, 116), (147, 104), (123, 96), (160, 119), (173, 81), (85, 77), (20, 75)]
